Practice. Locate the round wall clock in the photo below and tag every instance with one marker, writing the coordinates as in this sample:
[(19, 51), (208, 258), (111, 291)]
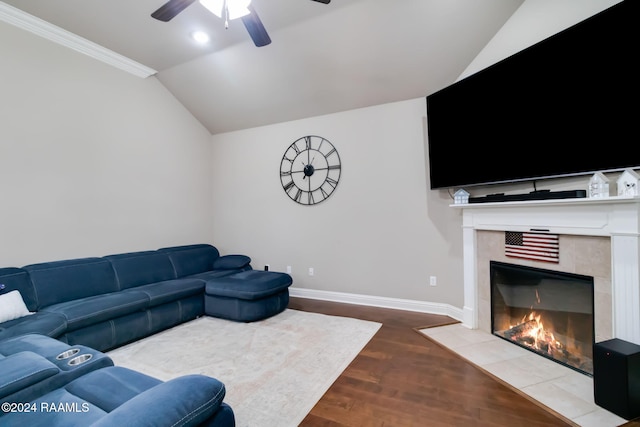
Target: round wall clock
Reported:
[(310, 170)]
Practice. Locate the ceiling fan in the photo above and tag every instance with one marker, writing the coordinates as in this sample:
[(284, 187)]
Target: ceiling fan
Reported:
[(226, 9)]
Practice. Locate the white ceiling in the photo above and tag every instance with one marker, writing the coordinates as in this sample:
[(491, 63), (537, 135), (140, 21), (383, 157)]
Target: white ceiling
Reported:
[(322, 59)]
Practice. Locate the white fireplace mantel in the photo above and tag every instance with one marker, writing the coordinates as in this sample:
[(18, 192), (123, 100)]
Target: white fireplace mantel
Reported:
[(614, 217)]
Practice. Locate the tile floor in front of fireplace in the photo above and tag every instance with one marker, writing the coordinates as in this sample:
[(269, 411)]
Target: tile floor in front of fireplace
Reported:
[(562, 389)]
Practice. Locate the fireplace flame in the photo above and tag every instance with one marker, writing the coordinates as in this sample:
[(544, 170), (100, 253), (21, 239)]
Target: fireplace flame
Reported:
[(531, 332), (561, 330)]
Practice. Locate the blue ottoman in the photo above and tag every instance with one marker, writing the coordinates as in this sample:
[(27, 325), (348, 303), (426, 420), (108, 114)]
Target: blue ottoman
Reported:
[(247, 296)]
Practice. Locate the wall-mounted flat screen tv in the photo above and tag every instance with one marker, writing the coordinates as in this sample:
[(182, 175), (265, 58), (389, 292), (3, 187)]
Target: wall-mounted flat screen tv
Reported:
[(567, 105)]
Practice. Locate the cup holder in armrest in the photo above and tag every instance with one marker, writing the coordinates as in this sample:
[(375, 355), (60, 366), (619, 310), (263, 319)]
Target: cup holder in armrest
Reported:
[(67, 354), (78, 360)]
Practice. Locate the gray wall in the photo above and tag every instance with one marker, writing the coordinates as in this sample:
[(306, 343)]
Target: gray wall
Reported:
[(381, 233), (93, 160)]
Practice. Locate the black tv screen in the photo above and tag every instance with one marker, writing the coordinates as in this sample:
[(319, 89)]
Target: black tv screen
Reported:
[(565, 106)]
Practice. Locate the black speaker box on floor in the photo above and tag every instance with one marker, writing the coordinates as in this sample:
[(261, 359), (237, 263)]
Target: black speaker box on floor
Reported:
[(616, 377)]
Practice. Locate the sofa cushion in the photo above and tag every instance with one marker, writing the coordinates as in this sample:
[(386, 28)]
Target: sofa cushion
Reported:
[(23, 369), (12, 306), (61, 281), (170, 290), (199, 398), (213, 274), (184, 401), (191, 259), (231, 262), (36, 343), (50, 324), (18, 279), (246, 310), (249, 285), (91, 310), (141, 268), (110, 387)]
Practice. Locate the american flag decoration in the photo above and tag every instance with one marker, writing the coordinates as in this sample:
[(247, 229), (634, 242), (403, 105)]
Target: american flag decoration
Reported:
[(532, 245)]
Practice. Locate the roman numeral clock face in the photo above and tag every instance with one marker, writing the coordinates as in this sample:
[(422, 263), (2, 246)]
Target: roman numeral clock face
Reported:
[(310, 170)]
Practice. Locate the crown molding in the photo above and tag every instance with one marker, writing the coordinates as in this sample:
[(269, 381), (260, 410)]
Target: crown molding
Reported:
[(27, 22)]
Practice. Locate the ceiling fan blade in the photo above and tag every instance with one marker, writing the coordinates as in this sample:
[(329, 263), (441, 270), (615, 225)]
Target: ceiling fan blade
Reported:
[(170, 9), (255, 28), (323, 1)]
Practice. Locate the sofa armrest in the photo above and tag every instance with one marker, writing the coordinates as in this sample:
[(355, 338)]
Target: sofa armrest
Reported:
[(231, 262), (184, 401), (23, 369)]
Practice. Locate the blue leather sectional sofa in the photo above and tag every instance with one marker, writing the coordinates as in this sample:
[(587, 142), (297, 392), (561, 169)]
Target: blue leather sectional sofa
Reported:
[(81, 307), (44, 382)]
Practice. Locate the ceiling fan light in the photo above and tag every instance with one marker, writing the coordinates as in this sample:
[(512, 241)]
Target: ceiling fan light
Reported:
[(215, 6), (238, 8), (200, 37), (235, 8)]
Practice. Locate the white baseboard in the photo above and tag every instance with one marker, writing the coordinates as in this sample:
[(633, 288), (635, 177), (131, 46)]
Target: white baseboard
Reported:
[(394, 303)]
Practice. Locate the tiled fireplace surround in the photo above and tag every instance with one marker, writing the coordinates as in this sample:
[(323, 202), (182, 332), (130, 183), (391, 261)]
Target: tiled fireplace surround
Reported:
[(598, 237), (587, 255)]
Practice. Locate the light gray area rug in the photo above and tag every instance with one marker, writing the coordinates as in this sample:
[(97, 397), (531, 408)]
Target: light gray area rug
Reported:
[(274, 370)]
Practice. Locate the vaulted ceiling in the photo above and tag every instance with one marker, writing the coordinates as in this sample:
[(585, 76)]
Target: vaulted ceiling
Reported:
[(323, 58)]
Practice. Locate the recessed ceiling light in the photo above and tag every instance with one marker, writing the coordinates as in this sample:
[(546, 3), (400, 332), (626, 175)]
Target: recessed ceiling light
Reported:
[(200, 36)]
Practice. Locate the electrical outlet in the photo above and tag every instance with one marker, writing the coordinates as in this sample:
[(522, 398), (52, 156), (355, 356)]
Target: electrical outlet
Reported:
[(310, 271), (288, 269), (266, 267), (433, 281)]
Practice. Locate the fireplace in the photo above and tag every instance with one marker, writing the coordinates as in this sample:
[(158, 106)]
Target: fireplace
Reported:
[(599, 237), (548, 312)]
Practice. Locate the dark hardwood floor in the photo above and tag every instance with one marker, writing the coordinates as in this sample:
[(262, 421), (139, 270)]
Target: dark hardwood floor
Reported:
[(402, 378)]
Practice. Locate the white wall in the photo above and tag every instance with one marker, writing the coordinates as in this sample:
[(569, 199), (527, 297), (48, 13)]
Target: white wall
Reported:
[(93, 160), (381, 233), (533, 22)]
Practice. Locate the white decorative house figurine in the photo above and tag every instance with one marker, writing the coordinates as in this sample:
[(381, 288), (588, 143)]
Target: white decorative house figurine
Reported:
[(461, 197), (598, 185), (628, 183)]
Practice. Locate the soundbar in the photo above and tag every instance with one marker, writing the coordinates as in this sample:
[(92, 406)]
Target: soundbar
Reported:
[(534, 195)]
